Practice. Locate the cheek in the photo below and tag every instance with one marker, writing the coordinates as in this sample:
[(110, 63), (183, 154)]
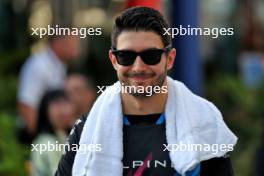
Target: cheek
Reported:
[(54, 114), (160, 68), (68, 110), (121, 70), (164, 64), (52, 111), (75, 96)]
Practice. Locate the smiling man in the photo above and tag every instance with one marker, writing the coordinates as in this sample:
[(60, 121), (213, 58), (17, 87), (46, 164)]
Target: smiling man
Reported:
[(165, 131)]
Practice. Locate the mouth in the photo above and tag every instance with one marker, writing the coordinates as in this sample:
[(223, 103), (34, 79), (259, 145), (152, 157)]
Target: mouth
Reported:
[(139, 78)]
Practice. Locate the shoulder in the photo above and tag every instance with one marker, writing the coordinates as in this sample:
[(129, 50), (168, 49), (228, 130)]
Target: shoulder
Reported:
[(45, 138), (78, 126), (35, 63)]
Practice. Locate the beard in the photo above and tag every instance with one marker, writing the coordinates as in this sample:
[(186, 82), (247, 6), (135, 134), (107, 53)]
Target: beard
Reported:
[(142, 91)]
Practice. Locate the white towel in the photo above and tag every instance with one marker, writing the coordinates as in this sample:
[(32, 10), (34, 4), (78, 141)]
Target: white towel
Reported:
[(190, 119)]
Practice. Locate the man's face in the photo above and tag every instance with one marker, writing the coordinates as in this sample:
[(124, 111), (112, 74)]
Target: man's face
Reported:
[(139, 73), (80, 94), (67, 48)]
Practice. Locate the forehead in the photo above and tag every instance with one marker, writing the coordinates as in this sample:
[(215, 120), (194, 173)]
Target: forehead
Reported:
[(138, 40)]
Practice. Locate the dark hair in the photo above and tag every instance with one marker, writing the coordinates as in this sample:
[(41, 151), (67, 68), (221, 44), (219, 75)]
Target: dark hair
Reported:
[(141, 19), (89, 81), (43, 124)]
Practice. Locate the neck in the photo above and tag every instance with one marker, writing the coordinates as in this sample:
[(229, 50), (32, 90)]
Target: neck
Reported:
[(144, 105)]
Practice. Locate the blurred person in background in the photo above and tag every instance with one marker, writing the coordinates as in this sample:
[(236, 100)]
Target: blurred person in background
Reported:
[(43, 71), (55, 117), (81, 92)]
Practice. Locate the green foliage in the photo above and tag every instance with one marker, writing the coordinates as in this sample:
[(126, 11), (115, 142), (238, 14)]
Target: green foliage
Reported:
[(10, 64), (11, 61), (242, 111), (12, 154), (8, 89)]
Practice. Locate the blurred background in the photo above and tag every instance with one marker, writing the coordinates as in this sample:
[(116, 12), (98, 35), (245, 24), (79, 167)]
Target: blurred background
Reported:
[(227, 70)]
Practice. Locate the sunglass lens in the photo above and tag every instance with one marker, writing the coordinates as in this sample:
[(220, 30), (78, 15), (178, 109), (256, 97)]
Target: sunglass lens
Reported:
[(125, 58), (151, 57)]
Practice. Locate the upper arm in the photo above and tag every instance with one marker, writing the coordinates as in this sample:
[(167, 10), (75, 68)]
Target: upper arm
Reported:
[(32, 83)]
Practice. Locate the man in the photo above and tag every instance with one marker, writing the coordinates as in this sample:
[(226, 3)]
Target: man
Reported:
[(44, 71), (137, 125), (81, 92)]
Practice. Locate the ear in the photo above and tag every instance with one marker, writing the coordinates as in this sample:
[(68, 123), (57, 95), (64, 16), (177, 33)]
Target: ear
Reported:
[(112, 59), (171, 58)]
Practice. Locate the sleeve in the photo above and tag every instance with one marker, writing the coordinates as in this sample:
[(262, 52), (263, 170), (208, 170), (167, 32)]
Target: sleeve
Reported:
[(217, 167), (67, 159), (31, 83)]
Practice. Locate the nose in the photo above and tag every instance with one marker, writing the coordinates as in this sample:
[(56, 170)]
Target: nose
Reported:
[(138, 65)]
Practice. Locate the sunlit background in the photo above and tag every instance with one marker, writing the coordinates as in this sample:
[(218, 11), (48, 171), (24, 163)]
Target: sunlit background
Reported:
[(227, 70)]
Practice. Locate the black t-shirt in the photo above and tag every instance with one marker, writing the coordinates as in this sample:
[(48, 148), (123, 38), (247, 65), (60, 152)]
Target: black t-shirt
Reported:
[(143, 142), (212, 167)]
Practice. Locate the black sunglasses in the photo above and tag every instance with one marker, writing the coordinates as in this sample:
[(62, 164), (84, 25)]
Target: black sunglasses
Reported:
[(149, 56)]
